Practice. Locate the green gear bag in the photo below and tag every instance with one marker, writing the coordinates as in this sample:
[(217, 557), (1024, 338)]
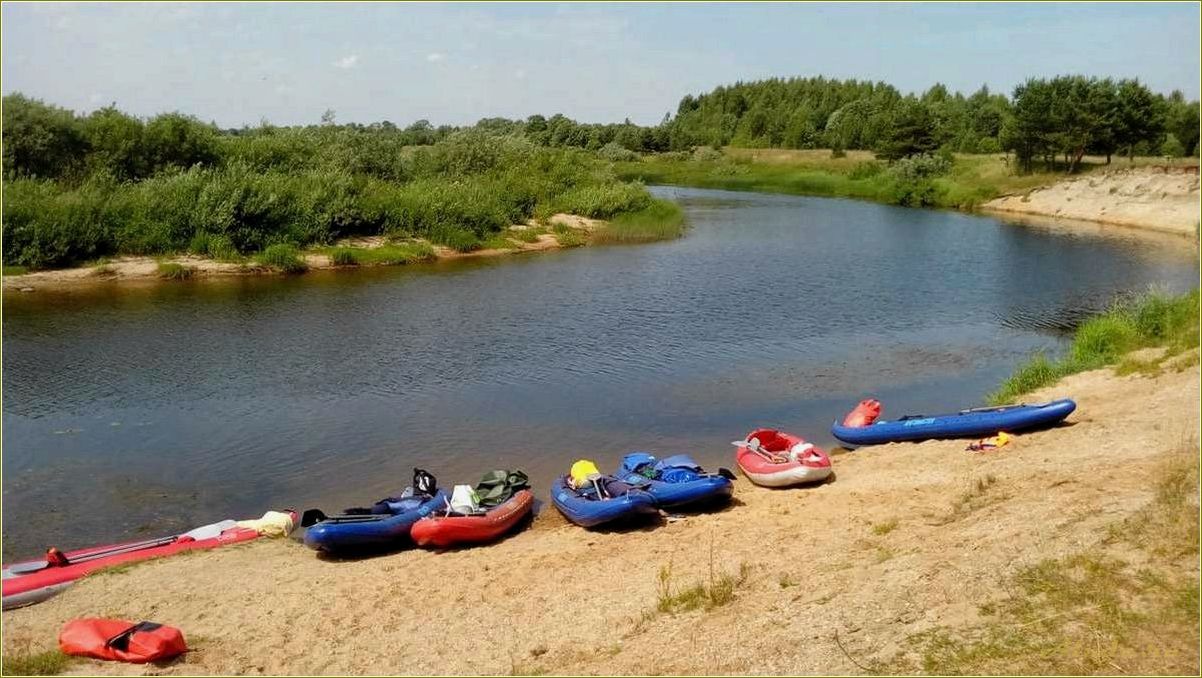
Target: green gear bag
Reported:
[(497, 487)]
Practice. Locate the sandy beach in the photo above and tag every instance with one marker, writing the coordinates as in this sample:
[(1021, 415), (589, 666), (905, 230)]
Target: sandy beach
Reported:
[(840, 578), (1156, 199)]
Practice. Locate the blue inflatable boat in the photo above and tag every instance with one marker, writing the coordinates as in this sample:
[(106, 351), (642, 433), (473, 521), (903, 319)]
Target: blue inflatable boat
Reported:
[(975, 423), (586, 509), (348, 533), (676, 481)]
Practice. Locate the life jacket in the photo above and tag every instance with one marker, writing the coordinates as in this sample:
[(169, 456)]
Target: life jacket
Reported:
[(864, 414), (119, 640)]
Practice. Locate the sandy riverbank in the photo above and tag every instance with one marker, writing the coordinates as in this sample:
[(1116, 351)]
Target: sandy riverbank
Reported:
[(125, 269), (838, 576), (1164, 200)]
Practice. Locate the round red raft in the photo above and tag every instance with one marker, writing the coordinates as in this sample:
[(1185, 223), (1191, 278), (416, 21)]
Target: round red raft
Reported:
[(794, 461)]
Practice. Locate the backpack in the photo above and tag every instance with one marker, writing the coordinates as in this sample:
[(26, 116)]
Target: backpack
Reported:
[(498, 487)]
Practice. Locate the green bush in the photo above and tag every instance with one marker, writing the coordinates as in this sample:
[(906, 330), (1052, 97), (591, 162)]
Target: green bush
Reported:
[(605, 200), (283, 257), (617, 153)]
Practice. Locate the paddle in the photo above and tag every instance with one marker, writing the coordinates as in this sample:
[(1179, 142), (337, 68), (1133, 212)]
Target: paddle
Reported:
[(595, 478), (197, 533), (754, 446)]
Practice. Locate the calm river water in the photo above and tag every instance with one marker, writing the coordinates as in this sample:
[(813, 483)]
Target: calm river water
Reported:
[(136, 410)]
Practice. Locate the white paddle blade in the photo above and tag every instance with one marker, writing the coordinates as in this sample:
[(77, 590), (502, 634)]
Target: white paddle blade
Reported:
[(210, 531)]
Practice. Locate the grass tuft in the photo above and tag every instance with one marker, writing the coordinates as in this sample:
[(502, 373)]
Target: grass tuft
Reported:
[(16, 270), (344, 256), (567, 236), (718, 591), (498, 241), (662, 220), (48, 663), (170, 270), (881, 529), (396, 254), (528, 235), (285, 258)]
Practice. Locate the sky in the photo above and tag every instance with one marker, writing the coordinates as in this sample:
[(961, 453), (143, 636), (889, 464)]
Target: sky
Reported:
[(241, 64)]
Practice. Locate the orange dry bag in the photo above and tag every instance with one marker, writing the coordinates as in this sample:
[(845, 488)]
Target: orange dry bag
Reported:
[(120, 640), (864, 414)]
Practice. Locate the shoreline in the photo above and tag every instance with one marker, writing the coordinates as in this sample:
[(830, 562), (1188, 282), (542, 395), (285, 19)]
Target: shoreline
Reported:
[(1141, 198), (909, 540), (143, 269)]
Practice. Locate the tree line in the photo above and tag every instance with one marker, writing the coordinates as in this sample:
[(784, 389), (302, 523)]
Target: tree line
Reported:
[(1048, 120)]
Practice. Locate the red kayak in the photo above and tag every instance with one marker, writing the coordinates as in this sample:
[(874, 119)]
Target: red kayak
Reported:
[(777, 459), (33, 581), (446, 531)]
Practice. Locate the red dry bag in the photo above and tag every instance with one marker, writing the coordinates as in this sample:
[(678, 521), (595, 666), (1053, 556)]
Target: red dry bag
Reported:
[(120, 640), (864, 414)]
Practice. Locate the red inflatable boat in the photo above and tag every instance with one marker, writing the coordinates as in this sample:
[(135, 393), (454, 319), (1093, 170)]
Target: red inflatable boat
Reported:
[(446, 531), (777, 459), (33, 581)]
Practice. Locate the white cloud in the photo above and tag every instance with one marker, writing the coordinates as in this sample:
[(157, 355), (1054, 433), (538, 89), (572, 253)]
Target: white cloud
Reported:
[(434, 57), (348, 61)]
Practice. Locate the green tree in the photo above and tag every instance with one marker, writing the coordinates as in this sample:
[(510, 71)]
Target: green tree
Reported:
[(1172, 148), (40, 140), (1182, 122), (181, 141), (116, 144), (911, 132), (1140, 116)]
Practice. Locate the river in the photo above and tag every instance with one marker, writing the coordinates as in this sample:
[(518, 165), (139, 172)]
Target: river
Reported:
[(132, 410)]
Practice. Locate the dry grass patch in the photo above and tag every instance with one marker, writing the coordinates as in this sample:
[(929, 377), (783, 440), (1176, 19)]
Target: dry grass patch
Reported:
[(1128, 605)]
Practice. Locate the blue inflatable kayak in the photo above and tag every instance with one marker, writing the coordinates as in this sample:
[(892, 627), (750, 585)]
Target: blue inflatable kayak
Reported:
[(676, 481), (337, 534), (584, 508), (964, 424)]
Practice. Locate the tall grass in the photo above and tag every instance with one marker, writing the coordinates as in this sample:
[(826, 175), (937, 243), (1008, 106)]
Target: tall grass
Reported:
[(661, 220), (1153, 320)]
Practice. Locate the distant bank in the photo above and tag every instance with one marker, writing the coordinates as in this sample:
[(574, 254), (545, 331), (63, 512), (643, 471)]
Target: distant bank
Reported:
[(1159, 199), (1146, 194)]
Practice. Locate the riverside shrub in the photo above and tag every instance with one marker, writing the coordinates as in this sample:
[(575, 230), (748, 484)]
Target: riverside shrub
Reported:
[(305, 187)]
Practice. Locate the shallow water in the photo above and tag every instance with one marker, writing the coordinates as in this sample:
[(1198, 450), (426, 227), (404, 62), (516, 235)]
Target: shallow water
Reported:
[(137, 410)]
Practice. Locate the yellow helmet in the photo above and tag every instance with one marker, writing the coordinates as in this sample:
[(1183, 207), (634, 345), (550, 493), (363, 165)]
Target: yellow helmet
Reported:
[(582, 471)]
